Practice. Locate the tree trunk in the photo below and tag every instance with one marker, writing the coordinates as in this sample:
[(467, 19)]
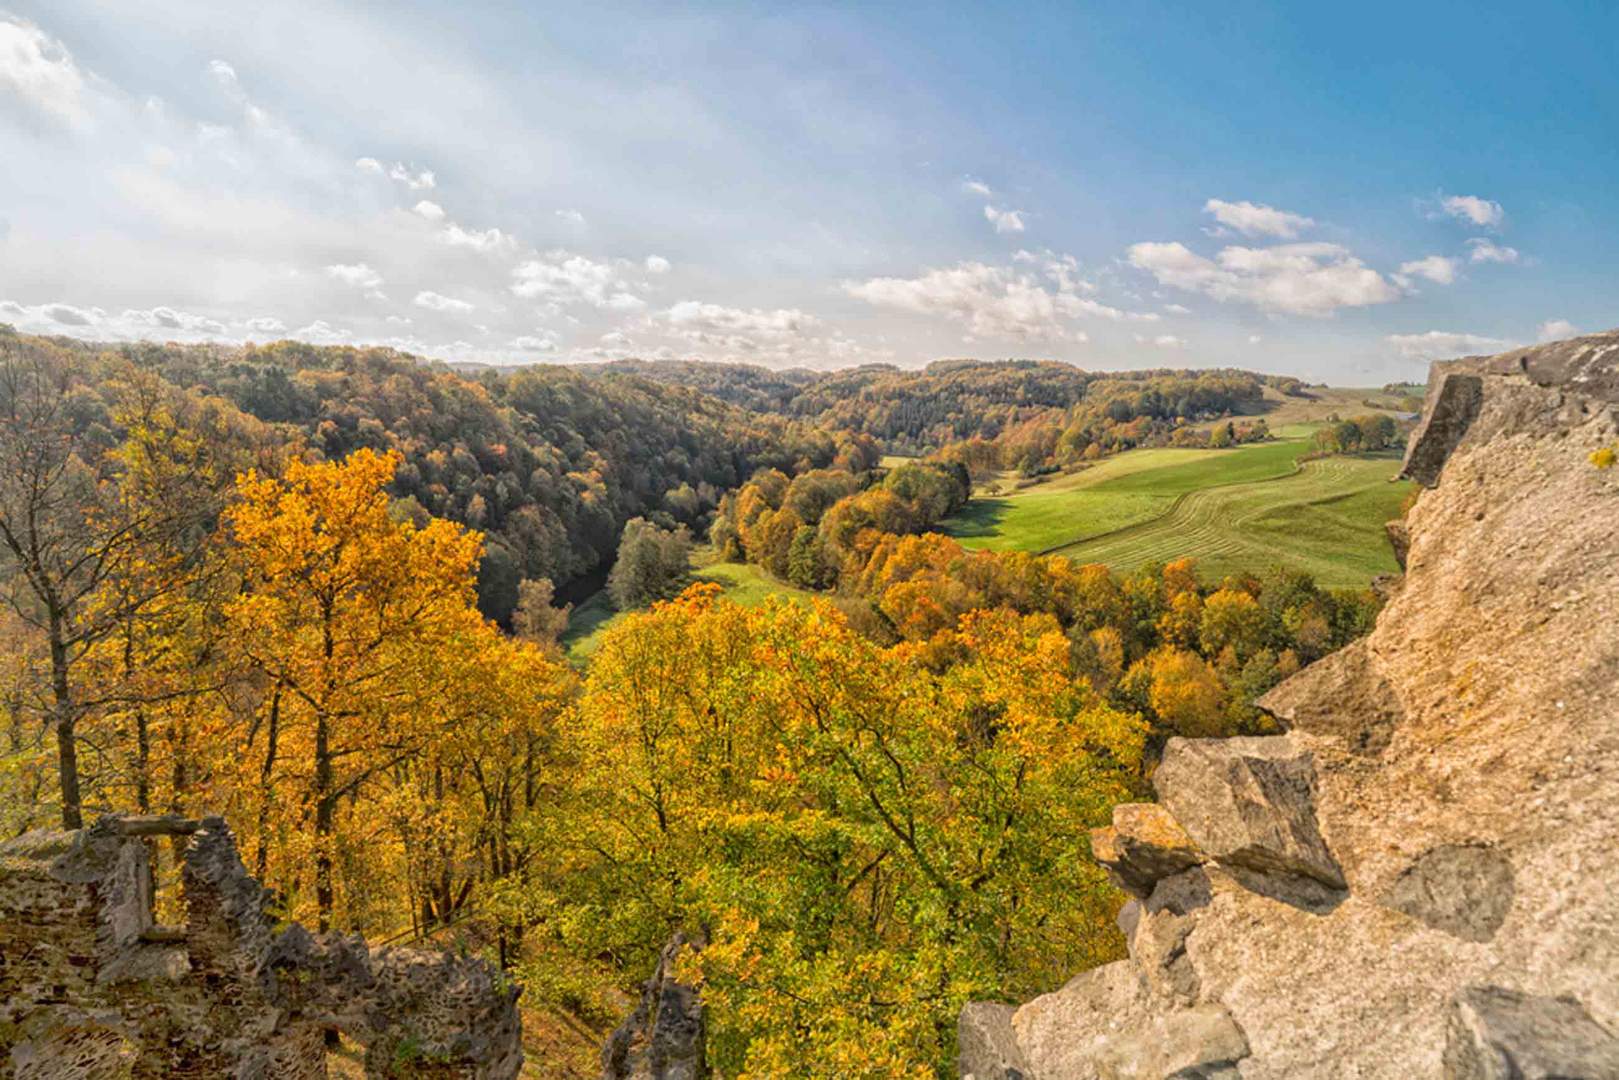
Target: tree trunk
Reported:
[(67, 748), (325, 811)]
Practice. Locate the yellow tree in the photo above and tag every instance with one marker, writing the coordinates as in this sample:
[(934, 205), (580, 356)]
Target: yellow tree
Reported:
[(342, 616)]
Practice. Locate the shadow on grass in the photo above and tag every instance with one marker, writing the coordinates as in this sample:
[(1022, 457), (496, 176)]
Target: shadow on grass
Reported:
[(980, 517)]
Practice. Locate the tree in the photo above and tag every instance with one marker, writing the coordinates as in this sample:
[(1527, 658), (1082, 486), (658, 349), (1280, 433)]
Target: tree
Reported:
[(653, 564), (73, 523), (341, 616), (536, 618)]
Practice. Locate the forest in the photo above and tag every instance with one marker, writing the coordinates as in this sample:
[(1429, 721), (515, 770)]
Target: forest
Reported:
[(319, 590)]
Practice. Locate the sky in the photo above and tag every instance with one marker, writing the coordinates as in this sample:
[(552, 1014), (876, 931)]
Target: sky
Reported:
[(1341, 192)]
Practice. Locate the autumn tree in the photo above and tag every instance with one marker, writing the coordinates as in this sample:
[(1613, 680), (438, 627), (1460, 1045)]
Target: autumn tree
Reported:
[(537, 618), (91, 499), (341, 616)]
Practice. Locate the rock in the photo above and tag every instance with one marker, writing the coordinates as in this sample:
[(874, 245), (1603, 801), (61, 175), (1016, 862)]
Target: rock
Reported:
[(1248, 803), (1399, 535), (1062, 1034), (1454, 401), (986, 1046), (1200, 1042), (1143, 845), (1465, 890), (229, 993), (1498, 1034), (664, 1038), (1344, 695)]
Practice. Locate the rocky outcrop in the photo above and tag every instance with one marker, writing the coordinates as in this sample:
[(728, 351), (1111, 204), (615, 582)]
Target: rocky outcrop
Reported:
[(1418, 879), (664, 1038), (91, 987)]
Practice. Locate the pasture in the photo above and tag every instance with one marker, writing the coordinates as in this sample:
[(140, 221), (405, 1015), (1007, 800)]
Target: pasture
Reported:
[(1242, 509)]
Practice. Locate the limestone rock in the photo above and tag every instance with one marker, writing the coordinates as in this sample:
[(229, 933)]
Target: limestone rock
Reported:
[(90, 987), (1454, 401), (663, 1039), (1463, 889), (1497, 1034), (1143, 845), (1248, 803), (1344, 695), (986, 1046), (1191, 1043)]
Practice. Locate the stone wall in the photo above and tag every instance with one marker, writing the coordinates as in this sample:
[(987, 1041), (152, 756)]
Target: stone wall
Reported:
[(1419, 878), (91, 987)]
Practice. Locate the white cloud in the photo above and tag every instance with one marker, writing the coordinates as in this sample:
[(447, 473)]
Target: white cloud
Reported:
[(564, 278), (656, 264), (433, 301), (320, 332), (571, 217), (991, 301), (38, 71), (411, 177), (1313, 279), (430, 210), (1253, 219), (1474, 209), (735, 327), (1254, 339), (976, 187), (266, 324), (1177, 309), (1444, 344), (156, 323), (1436, 268), (1556, 330), (1005, 221), (1483, 250), (358, 275), (415, 180), (478, 240), (166, 318), (545, 341), (1162, 341)]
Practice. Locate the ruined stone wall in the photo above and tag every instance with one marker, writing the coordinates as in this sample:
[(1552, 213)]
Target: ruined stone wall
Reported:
[(90, 987), (1420, 877)]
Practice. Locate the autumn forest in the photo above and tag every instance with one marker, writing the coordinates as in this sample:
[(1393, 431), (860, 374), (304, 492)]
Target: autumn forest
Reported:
[(324, 592)]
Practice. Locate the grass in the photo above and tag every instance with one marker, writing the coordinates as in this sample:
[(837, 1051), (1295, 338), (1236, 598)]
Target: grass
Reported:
[(1236, 510), (743, 582)]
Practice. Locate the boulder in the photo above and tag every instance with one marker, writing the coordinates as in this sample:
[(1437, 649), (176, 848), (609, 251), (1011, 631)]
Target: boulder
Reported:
[(986, 1046), (1142, 846), (1248, 803), (1464, 890), (1200, 1042), (1499, 1034), (1454, 401)]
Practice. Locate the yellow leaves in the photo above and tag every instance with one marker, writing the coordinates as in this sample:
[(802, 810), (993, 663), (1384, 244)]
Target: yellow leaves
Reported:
[(1605, 457)]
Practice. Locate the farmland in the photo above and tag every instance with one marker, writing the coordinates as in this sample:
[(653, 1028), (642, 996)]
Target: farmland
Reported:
[(1233, 510)]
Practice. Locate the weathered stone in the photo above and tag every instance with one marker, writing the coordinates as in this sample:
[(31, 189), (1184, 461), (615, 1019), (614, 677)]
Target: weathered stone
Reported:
[(1399, 535), (663, 1039), (986, 1046), (1249, 803), (1143, 845), (1187, 1043), (1498, 1034), (1463, 889), (1344, 695), (90, 987), (1453, 404)]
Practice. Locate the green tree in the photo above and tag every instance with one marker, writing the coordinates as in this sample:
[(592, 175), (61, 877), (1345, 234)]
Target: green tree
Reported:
[(653, 564)]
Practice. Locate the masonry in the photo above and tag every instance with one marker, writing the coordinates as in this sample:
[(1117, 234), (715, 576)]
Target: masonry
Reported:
[(92, 987)]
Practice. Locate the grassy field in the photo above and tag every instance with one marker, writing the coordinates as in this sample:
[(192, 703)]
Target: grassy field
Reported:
[(1233, 510), (742, 582)]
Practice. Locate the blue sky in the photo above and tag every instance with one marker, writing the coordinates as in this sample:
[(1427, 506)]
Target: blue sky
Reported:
[(1338, 192)]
